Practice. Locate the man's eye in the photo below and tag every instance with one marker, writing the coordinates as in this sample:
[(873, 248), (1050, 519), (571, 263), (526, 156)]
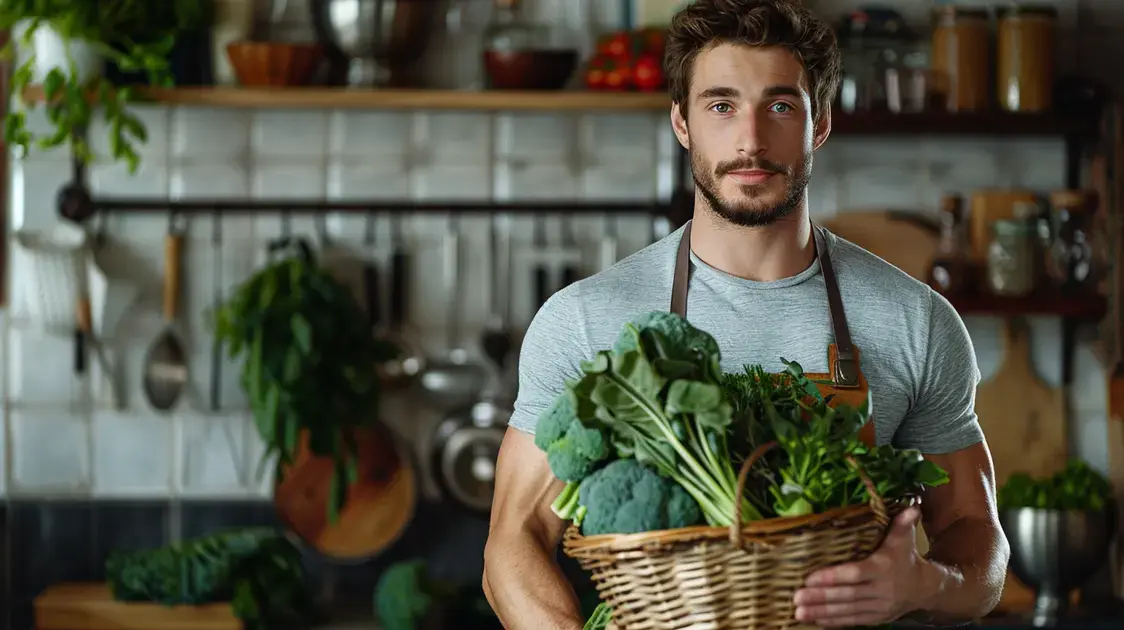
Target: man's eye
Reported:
[(719, 108), (785, 108)]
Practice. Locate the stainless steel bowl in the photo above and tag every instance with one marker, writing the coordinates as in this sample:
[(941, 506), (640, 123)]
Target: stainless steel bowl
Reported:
[(1055, 552), (375, 36)]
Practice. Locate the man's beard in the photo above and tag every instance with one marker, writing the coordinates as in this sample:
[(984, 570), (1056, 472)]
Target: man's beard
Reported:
[(750, 212)]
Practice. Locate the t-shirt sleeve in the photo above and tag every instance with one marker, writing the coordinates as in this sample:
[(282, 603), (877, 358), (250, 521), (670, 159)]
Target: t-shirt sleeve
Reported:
[(943, 418), (552, 351)]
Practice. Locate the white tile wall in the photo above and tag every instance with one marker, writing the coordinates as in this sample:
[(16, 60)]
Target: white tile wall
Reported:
[(52, 445)]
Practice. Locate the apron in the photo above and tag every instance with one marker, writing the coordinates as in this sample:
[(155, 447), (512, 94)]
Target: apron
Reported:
[(848, 384)]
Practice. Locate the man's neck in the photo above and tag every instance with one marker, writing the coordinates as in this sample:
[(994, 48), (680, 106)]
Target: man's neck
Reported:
[(763, 254)]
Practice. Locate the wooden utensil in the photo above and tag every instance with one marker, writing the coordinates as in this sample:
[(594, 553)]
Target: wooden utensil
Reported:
[(379, 504), (90, 606), (165, 372), (908, 240)]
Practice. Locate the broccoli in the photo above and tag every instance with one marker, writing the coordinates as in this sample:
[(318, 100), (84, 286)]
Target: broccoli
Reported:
[(408, 598), (627, 497), (572, 449)]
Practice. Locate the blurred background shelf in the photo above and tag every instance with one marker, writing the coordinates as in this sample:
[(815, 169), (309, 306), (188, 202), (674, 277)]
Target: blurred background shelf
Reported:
[(1069, 306), (865, 123)]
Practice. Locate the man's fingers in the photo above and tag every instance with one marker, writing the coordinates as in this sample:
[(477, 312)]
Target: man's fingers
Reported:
[(852, 573), (845, 610), (833, 594)]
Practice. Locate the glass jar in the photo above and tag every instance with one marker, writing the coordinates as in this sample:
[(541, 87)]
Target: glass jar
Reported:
[(1025, 65), (523, 55), (1010, 258), (961, 58)]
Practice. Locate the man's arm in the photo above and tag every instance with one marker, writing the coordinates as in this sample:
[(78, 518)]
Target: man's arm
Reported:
[(968, 552), (522, 580)]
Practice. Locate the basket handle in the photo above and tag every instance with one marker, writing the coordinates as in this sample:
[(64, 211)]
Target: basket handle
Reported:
[(877, 503), (743, 477)]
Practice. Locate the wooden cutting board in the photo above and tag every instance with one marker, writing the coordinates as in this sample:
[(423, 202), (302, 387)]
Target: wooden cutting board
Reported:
[(907, 240), (90, 606)]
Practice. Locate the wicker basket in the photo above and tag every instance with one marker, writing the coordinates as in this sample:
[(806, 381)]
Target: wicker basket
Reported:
[(719, 578)]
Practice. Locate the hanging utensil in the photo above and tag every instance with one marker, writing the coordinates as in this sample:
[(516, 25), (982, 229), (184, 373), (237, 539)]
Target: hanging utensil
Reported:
[(165, 373), (391, 373), (542, 268), (608, 254), (571, 273), (497, 340), (216, 279), (465, 447), (412, 359), (453, 377)]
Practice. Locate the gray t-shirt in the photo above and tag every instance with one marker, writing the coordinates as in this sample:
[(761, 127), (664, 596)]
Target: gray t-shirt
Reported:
[(916, 352)]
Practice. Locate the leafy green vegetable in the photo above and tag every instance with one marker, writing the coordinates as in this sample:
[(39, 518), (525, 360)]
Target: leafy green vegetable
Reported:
[(817, 464), (407, 597), (310, 362), (627, 497), (600, 619), (258, 570), (1075, 487)]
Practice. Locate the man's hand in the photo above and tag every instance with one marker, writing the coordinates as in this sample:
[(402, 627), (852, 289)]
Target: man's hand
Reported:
[(893, 581)]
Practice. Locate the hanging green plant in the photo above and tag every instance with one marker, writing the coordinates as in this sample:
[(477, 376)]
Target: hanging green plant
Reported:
[(136, 35), (310, 361)]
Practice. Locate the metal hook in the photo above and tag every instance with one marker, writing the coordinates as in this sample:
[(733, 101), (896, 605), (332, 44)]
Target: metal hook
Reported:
[(177, 223), (322, 229)]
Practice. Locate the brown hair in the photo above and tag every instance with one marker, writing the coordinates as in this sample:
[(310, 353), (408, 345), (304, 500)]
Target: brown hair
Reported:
[(784, 23)]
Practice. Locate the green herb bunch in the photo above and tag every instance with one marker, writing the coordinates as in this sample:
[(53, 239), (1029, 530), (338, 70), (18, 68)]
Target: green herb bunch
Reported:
[(310, 361), (1075, 487), (136, 35)]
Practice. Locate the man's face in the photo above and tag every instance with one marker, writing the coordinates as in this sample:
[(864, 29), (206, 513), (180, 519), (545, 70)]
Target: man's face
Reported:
[(750, 132)]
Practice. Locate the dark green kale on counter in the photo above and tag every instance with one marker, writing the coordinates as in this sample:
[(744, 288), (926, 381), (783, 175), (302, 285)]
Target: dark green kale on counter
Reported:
[(1075, 487), (258, 570)]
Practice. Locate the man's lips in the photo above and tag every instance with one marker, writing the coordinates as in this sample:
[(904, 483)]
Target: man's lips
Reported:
[(751, 176)]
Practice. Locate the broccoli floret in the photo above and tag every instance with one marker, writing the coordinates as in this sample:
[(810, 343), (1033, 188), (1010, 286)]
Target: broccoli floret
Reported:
[(405, 596), (626, 497), (684, 342), (573, 450)]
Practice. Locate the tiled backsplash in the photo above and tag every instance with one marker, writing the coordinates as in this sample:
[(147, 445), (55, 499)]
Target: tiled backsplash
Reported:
[(56, 447)]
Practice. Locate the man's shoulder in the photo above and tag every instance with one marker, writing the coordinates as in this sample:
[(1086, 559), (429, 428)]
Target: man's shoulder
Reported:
[(863, 272)]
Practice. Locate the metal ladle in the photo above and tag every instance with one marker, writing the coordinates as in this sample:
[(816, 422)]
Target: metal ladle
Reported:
[(165, 372), (453, 377)]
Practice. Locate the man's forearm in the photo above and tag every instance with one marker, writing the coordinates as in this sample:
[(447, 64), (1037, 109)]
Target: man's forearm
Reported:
[(965, 574), (526, 587)]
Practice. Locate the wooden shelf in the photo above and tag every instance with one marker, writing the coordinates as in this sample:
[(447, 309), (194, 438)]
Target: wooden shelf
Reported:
[(869, 123), (1073, 306)]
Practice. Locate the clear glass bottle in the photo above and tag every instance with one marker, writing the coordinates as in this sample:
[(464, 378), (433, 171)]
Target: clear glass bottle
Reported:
[(1074, 260), (949, 270)]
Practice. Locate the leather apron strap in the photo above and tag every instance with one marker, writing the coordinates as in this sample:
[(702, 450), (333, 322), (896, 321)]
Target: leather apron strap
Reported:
[(845, 371)]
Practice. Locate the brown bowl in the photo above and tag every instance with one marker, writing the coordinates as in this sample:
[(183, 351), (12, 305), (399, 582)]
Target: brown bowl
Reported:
[(274, 64)]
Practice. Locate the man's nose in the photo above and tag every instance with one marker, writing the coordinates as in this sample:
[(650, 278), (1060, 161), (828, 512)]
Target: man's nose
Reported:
[(751, 137)]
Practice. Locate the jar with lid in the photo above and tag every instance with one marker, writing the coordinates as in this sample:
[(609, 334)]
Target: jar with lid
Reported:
[(1011, 260), (1025, 57), (949, 269), (520, 54), (961, 58), (1074, 259)]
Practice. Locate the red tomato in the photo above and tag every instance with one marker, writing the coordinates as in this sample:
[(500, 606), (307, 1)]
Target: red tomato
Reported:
[(647, 74), (617, 45)]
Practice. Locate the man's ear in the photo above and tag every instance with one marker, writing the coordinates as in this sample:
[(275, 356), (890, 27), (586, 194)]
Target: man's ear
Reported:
[(679, 125), (822, 129)]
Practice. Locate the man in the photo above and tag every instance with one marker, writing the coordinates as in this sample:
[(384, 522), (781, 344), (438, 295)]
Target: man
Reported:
[(752, 83)]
